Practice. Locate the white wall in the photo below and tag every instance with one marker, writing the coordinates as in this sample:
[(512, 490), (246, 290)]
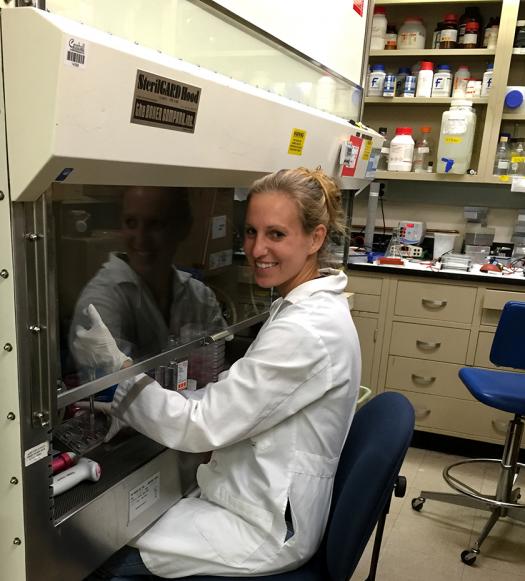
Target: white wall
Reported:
[(329, 31)]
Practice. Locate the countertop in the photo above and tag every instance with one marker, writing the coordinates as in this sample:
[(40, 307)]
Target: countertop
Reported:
[(415, 268)]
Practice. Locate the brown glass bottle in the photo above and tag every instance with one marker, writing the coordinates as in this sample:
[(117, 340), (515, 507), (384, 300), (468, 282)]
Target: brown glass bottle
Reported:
[(470, 40), (449, 31)]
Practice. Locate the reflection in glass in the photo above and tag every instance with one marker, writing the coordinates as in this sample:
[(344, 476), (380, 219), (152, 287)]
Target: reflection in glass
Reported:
[(159, 265)]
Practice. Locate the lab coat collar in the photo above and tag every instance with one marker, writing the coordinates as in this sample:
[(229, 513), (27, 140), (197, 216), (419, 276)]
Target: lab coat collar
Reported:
[(331, 280), (122, 272)]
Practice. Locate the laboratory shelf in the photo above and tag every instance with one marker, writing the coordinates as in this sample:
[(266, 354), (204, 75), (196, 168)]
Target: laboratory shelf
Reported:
[(435, 52), (421, 100), (427, 177), (513, 116), (518, 51)]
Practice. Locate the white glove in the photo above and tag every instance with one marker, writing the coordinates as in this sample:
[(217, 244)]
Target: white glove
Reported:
[(95, 347), (105, 407)]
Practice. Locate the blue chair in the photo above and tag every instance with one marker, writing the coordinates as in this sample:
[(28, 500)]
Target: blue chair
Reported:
[(367, 475), (505, 391)]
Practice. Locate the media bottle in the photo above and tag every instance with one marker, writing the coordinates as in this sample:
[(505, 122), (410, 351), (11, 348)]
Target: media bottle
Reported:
[(422, 151), (502, 158)]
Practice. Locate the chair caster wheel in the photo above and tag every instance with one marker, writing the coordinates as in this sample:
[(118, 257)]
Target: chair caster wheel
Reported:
[(400, 487), (468, 557), (417, 503)]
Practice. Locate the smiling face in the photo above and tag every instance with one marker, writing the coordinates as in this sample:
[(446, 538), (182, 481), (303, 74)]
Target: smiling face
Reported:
[(149, 230), (278, 249)]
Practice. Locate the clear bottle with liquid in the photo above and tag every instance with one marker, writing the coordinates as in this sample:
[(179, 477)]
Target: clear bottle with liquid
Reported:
[(422, 151), (502, 158), (517, 156)]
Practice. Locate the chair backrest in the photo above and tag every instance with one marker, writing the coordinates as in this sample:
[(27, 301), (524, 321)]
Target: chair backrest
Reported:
[(507, 346), (369, 465)]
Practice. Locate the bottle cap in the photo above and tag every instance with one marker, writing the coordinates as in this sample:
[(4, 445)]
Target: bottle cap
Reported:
[(426, 129), (403, 130), (449, 17), (513, 99), (472, 26), (378, 68), (404, 70), (461, 103), (379, 10), (443, 67), (490, 67), (427, 66)]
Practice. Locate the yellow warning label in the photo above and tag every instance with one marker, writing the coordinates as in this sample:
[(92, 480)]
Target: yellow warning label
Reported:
[(450, 139), (517, 159), (368, 148), (297, 142), (504, 178)]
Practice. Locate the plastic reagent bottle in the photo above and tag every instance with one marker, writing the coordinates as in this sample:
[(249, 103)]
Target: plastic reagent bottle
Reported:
[(424, 79), (460, 81), (442, 82), (376, 81), (502, 159), (456, 138), (422, 151), (486, 86), (379, 24), (401, 150), (382, 164)]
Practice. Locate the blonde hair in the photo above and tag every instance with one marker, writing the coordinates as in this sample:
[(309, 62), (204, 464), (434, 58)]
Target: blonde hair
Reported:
[(318, 199)]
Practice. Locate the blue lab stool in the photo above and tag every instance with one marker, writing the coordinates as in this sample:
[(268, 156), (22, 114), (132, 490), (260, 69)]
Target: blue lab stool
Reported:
[(367, 475), (504, 391)]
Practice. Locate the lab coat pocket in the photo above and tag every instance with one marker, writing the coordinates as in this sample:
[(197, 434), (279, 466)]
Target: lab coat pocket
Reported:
[(231, 537), (314, 465)]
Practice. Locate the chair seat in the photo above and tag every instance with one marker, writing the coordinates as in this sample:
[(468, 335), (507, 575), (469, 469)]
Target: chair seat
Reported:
[(502, 390)]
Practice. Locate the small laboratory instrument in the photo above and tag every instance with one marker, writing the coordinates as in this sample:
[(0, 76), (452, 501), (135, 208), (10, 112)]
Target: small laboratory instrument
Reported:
[(454, 261), (411, 232), (84, 469)]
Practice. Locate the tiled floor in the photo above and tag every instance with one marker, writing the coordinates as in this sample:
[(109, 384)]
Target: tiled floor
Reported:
[(426, 545)]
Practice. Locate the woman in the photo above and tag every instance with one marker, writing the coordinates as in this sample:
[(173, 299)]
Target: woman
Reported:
[(276, 422)]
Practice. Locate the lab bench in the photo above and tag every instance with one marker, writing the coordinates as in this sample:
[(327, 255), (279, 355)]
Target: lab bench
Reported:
[(418, 328)]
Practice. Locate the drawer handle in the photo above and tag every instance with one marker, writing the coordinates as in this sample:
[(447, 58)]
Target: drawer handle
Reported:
[(500, 426), (421, 413), (420, 380), (427, 346), (432, 304)]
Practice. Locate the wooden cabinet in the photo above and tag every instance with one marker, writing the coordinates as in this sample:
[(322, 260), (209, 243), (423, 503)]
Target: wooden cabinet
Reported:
[(423, 332), (509, 69)]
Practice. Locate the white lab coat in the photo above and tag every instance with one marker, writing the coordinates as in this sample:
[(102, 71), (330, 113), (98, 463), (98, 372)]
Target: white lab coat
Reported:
[(276, 423)]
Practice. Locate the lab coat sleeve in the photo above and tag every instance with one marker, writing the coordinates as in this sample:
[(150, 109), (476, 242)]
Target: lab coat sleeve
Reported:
[(288, 369)]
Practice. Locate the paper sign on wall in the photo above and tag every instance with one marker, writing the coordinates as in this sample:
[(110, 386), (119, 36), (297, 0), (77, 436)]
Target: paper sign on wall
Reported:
[(297, 142)]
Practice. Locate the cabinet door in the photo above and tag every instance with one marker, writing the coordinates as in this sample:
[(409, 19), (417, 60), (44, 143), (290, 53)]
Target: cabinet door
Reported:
[(367, 331)]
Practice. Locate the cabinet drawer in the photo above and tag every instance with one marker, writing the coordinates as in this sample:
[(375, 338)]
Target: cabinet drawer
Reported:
[(435, 301), (365, 285), (493, 303), (367, 303), (469, 419), (429, 342), (425, 377)]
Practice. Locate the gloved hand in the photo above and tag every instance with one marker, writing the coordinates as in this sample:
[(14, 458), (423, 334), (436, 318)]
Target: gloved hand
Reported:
[(95, 347), (105, 407)]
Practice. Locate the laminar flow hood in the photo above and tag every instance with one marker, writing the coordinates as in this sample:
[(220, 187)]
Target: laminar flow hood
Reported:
[(86, 107)]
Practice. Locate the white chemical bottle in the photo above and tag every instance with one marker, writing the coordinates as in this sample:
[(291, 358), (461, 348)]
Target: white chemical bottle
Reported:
[(379, 24), (486, 85), (460, 82), (376, 81), (442, 82), (456, 138), (425, 77), (401, 150)]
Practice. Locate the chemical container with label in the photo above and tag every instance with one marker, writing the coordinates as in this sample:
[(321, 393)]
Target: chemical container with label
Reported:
[(401, 150), (389, 87), (400, 79), (448, 36), (486, 85), (391, 38), (442, 82), (376, 81), (423, 151), (460, 81), (502, 158), (517, 156), (471, 37), (456, 139), (379, 24), (424, 79), (490, 37), (412, 34)]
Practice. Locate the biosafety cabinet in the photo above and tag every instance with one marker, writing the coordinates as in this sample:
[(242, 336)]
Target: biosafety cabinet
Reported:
[(116, 159)]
